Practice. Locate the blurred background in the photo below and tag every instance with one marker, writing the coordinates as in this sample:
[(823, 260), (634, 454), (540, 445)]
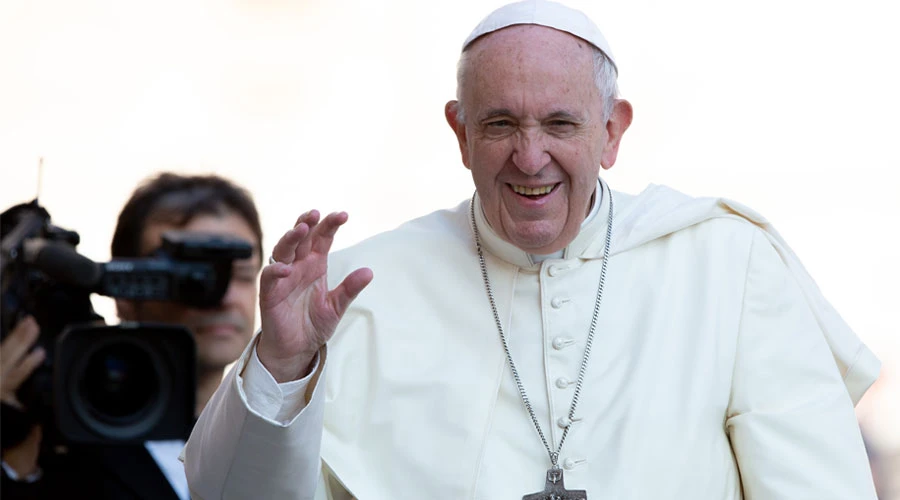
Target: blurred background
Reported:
[(790, 107)]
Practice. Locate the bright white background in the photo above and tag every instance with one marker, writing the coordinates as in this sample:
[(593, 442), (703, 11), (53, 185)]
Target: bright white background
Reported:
[(791, 107)]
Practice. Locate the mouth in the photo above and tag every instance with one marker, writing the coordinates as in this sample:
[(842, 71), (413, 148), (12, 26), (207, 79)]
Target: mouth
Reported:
[(217, 330), (533, 192)]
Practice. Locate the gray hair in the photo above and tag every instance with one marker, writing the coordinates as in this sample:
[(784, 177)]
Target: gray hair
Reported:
[(605, 74)]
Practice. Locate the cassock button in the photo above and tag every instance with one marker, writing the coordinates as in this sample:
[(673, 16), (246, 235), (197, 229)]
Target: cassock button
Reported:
[(569, 464), (562, 382), (558, 302), (556, 270), (560, 342)]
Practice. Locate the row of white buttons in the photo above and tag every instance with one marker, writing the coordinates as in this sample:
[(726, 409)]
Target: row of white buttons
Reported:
[(558, 344)]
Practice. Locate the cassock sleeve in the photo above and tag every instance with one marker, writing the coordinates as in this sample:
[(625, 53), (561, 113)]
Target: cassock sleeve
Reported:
[(277, 403), (791, 421), (235, 452)]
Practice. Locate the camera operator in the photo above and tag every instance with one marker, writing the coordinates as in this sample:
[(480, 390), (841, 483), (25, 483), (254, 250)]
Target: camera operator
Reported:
[(207, 204)]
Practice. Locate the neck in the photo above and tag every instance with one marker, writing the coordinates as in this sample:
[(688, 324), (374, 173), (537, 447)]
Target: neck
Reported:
[(207, 383)]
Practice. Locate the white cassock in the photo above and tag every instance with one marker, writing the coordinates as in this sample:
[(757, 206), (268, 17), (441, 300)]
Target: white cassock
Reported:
[(718, 371)]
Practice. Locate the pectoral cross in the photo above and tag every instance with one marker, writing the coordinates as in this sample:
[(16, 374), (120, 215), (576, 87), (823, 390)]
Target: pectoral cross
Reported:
[(556, 489)]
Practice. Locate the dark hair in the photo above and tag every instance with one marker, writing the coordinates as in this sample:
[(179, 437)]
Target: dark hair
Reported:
[(177, 199)]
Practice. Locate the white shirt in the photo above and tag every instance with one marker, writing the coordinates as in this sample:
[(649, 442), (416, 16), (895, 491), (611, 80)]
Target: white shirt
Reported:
[(165, 454)]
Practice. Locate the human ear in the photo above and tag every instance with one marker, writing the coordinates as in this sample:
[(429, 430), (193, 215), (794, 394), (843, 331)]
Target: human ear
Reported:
[(451, 113), (618, 123)]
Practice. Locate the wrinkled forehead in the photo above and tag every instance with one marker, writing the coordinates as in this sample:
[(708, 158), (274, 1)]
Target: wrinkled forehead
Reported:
[(543, 13), (525, 41), (528, 70)]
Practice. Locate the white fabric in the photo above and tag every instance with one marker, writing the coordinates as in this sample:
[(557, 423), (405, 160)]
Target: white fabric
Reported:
[(544, 13), (248, 442), (718, 371), (273, 401), (165, 454)]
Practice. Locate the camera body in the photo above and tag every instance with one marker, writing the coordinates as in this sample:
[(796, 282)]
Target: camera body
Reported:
[(106, 384), (131, 382)]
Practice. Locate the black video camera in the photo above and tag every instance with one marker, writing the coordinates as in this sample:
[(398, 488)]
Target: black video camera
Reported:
[(102, 384)]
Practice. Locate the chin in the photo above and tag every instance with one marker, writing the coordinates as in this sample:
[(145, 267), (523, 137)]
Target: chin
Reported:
[(221, 350), (218, 362)]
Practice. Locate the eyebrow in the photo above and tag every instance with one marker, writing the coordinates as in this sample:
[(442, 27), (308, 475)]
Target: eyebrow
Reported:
[(494, 113), (564, 115), (556, 115)]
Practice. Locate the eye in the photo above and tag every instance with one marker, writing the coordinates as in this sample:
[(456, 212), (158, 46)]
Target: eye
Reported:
[(561, 126), (498, 124), (244, 273), (498, 127)]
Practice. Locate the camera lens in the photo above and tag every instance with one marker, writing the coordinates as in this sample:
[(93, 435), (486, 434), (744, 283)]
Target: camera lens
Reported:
[(121, 387), (120, 382)]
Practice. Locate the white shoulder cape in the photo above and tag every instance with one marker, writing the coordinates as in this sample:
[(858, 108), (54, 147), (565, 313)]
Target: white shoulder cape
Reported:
[(660, 210)]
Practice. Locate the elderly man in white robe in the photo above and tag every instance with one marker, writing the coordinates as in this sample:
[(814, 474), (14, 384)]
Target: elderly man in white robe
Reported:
[(549, 338)]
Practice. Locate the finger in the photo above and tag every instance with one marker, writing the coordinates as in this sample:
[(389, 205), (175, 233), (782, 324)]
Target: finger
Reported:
[(324, 234), (284, 250), (270, 276), (349, 289), (18, 342), (25, 368), (311, 220)]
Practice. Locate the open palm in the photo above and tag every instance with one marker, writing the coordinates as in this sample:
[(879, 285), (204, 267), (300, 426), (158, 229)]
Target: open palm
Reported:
[(298, 312)]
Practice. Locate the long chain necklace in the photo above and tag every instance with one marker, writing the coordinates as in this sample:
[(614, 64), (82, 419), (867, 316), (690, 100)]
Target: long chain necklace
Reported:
[(555, 487)]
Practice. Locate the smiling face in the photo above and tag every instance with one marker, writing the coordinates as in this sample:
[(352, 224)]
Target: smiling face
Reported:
[(534, 136)]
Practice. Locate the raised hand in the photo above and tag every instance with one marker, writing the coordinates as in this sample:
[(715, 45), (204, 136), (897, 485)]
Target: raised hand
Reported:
[(298, 312)]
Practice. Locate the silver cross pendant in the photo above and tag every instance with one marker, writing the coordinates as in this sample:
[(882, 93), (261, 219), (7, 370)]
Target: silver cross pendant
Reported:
[(556, 489)]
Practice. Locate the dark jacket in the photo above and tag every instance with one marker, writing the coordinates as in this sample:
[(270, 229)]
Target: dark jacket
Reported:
[(126, 472)]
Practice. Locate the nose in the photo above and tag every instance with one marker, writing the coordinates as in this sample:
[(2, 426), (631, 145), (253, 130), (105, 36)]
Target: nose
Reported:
[(530, 152), (232, 295)]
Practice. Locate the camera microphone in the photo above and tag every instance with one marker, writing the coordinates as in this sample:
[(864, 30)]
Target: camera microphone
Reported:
[(62, 263)]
